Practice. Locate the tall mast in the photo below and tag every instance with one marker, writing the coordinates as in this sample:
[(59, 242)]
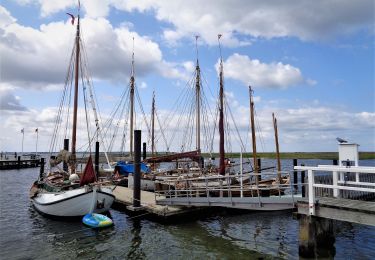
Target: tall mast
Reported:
[(153, 126), (132, 81), (221, 115), (277, 146), (75, 104), (256, 167), (198, 100)]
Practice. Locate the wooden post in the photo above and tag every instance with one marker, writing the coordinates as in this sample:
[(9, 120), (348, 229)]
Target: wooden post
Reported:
[(316, 238), (295, 176), (66, 148), (97, 160), (19, 162), (41, 171), (259, 164), (137, 169), (303, 188), (144, 151)]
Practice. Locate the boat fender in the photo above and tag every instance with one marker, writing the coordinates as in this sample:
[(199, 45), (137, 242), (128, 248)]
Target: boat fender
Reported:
[(73, 177)]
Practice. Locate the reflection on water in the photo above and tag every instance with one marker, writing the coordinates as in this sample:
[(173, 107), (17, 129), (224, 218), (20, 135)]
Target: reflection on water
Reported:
[(135, 251), (26, 234)]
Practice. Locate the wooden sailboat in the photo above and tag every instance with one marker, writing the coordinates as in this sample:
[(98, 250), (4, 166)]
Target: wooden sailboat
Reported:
[(63, 193)]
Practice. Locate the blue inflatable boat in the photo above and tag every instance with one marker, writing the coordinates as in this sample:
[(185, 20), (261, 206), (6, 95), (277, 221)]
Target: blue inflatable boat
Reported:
[(95, 220)]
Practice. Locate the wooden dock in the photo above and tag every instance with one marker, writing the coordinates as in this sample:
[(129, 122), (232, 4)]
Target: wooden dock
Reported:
[(332, 204), (18, 163), (124, 196), (355, 211)]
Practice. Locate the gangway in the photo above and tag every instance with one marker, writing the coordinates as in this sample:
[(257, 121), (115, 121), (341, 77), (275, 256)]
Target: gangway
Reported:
[(232, 191)]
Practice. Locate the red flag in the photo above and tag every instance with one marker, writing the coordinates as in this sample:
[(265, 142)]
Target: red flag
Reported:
[(72, 21), (88, 174)]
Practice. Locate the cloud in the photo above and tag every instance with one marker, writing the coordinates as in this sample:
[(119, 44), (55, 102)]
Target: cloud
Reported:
[(38, 58), (306, 20), (258, 74), (9, 101)]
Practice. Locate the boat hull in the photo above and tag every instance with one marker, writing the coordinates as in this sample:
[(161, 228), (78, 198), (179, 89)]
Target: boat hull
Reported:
[(74, 203)]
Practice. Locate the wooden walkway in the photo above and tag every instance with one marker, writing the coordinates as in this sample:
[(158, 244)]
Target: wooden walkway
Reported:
[(356, 211), (124, 196), (18, 164)]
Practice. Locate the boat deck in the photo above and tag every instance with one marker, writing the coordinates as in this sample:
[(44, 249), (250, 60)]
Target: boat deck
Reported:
[(124, 196)]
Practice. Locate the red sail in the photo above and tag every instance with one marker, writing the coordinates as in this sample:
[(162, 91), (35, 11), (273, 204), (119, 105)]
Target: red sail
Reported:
[(88, 174)]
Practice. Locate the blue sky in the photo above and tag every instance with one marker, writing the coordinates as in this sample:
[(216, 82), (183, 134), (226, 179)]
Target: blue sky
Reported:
[(310, 62)]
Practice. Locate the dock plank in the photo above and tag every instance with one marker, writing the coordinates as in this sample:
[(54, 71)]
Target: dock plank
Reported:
[(356, 211), (124, 196)]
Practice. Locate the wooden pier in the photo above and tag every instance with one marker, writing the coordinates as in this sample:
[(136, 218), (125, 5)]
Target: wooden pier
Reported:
[(124, 196), (18, 163), (332, 205)]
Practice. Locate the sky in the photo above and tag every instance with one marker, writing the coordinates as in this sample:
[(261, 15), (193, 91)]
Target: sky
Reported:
[(309, 62)]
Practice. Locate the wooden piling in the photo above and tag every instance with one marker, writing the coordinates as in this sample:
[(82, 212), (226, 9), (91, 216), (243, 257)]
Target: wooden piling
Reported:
[(295, 176), (137, 169), (66, 148), (144, 151), (303, 182), (259, 168), (97, 160)]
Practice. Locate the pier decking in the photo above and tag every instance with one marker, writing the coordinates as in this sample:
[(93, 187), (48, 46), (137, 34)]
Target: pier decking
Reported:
[(337, 207), (124, 196), (18, 163)]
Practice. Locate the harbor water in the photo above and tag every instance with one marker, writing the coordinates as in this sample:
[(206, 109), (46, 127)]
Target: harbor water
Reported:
[(25, 234)]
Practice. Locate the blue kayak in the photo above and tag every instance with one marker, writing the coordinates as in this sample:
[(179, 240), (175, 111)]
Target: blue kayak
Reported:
[(95, 220)]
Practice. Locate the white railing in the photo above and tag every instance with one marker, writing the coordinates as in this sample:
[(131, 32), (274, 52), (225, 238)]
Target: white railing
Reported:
[(338, 180)]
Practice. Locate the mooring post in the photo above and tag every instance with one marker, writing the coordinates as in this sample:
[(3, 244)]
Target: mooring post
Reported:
[(303, 188), (97, 160), (19, 162), (316, 238), (259, 169), (137, 169), (144, 151), (295, 176), (66, 148), (41, 171)]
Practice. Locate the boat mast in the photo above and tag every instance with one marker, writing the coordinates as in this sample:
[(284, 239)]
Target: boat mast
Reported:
[(277, 147), (132, 81), (153, 126), (221, 114), (75, 104), (256, 167), (198, 100)]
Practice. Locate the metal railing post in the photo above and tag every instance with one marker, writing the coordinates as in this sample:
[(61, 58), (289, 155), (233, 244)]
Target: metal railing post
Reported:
[(335, 177), (310, 176)]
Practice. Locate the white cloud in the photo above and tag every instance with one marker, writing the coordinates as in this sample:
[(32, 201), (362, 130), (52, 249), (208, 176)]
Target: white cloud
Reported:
[(38, 58), (306, 20), (9, 101), (258, 74)]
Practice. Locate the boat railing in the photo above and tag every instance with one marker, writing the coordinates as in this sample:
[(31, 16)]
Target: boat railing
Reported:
[(241, 185), (353, 179)]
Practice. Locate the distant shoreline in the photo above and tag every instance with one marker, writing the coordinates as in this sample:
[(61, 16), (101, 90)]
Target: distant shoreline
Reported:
[(286, 155), (299, 155)]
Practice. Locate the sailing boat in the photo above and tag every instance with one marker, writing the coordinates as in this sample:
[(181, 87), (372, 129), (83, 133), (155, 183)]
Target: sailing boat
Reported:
[(63, 193)]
